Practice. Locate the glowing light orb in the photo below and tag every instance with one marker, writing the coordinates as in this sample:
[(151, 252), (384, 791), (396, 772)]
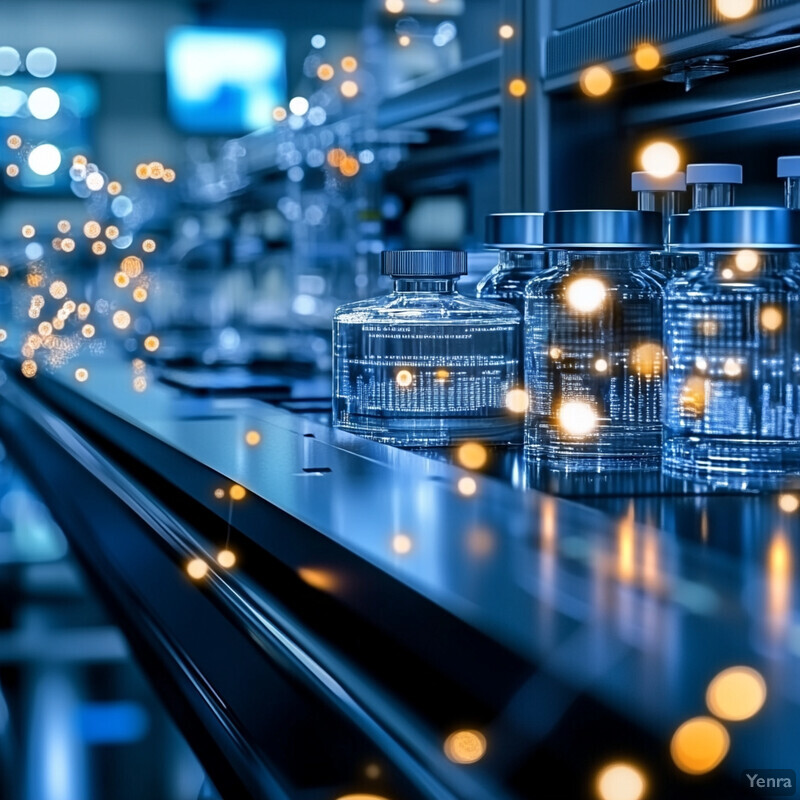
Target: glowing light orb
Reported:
[(746, 260), (517, 87), (88, 330), (648, 359), (325, 72), (28, 231), (735, 9), (252, 438), (140, 294), (577, 418), (349, 64), (517, 401), (788, 503), (620, 781), (736, 693), (465, 746), (394, 6), (402, 544), (152, 343), (661, 159), (121, 319), (404, 40), (771, 318), (472, 455), (149, 246), (95, 181), (98, 248), (298, 105), (92, 229), (467, 486), (404, 378), (63, 226), (506, 31), (732, 368), (349, 89), (197, 569), (43, 103), (14, 141), (81, 374), (131, 266), (699, 745), (121, 280), (237, 492), (279, 114), (586, 295), (44, 159), (596, 81), (646, 57), (28, 368), (226, 558), (58, 289)]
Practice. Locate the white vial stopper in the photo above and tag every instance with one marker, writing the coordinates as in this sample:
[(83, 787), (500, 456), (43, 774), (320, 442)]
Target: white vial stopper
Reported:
[(645, 182), (789, 167), (714, 173)]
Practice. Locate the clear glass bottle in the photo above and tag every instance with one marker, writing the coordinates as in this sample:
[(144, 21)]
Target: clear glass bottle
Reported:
[(732, 339), (713, 185), (789, 169), (519, 238), (593, 357), (680, 259), (424, 366)]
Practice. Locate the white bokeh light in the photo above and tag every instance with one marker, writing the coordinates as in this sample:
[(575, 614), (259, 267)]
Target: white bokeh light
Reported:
[(44, 103), (44, 159), (9, 60), (298, 105), (41, 62)]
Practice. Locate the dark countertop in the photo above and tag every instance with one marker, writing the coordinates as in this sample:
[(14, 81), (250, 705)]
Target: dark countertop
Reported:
[(592, 622)]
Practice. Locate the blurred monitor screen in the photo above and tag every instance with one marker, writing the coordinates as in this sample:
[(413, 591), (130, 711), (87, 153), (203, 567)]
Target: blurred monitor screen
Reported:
[(224, 80)]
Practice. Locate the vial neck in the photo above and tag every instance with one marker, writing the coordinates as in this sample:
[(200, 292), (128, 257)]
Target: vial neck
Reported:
[(437, 285), (712, 195), (793, 193), (515, 259)]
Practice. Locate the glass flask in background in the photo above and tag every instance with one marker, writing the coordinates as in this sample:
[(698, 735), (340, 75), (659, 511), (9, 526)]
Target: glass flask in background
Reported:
[(424, 366), (593, 356), (519, 239), (713, 185), (732, 332), (789, 169)]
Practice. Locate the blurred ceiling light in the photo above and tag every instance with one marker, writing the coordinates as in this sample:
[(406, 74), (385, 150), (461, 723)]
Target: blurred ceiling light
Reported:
[(41, 62), (404, 40), (596, 81), (44, 159), (298, 105), (506, 31), (661, 159), (44, 103), (394, 6), (646, 57), (735, 9)]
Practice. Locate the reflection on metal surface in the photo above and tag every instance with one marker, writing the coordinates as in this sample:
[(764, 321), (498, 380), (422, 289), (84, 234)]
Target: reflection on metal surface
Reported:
[(779, 584), (465, 746), (736, 693), (472, 455), (620, 781), (402, 544), (321, 579), (699, 745)]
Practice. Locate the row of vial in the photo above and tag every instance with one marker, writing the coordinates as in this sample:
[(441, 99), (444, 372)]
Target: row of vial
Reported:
[(637, 336)]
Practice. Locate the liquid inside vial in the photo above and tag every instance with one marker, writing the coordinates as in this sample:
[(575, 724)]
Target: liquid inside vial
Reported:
[(594, 363), (733, 384), (423, 369)]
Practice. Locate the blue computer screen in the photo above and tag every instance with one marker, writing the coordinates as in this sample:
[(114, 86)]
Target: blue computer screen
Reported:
[(224, 80)]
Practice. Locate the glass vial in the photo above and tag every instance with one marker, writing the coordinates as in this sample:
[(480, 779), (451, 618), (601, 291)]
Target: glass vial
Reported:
[(519, 240), (593, 357), (732, 339), (713, 185), (424, 366), (789, 169)]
